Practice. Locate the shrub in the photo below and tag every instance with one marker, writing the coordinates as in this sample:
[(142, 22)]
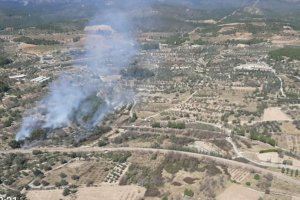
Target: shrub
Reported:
[(75, 177), (270, 150), (165, 198), (36, 152), (137, 73), (66, 192), (4, 87), (8, 122), (150, 46), (287, 162), (38, 134), (45, 183), (152, 192), (36, 183), (156, 125), (63, 182), (38, 173), (102, 143), (176, 125), (119, 156), (47, 167), (89, 183), (63, 175), (133, 118), (5, 61), (256, 177), (188, 192), (15, 144)]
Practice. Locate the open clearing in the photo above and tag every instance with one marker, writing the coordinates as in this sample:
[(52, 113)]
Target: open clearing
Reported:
[(238, 192), (275, 114), (273, 157), (46, 195), (107, 192)]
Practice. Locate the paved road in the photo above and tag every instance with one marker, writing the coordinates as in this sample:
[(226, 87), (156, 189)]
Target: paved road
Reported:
[(164, 151)]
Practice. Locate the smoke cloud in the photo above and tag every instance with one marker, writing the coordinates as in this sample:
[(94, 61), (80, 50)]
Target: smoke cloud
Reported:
[(83, 95)]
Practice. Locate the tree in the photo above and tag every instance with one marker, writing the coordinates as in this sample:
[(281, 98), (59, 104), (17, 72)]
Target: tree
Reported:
[(38, 173), (282, 170)]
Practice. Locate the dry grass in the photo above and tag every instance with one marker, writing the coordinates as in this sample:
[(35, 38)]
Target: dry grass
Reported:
[(275, 114), (108, 192), (88, 171), (238, 192), (46, 195)]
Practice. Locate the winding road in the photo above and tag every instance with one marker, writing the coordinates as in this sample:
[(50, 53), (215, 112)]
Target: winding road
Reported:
[(163, 151)]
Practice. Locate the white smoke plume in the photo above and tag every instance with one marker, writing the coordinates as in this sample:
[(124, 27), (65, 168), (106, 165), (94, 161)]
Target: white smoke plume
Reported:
[(81, 96)]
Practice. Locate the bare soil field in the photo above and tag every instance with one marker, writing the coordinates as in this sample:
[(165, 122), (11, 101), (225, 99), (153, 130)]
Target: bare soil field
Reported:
[(46, 195), (205, 146), (109, 192), (290, 128), (238, 192), (176, 184), (285, 40), (275, 114), (37, 50), (291, 142), (273, 157), (94, 171), (238, 174), (269, 157)]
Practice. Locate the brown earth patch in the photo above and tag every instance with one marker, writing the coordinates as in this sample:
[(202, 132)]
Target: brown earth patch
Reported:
[(190, 180)]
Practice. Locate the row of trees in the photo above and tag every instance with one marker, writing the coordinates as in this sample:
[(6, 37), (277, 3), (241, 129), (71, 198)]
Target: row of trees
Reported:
[(291, 172)]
